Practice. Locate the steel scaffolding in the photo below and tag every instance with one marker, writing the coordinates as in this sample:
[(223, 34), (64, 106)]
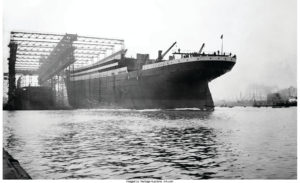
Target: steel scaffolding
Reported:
[(49, 55)]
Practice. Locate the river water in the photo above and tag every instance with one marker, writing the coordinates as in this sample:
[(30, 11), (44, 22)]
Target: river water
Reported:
[(228, 143)]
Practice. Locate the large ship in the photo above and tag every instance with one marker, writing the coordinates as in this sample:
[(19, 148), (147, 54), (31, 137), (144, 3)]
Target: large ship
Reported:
[(143, 83)]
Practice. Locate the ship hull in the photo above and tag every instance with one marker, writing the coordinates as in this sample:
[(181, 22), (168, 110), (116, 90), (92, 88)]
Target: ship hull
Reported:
[(175, 86)]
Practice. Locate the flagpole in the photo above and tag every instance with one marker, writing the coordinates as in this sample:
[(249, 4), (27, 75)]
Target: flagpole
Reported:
[(222, 45)]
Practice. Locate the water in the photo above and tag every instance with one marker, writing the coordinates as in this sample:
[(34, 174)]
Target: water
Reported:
[(228, 143)]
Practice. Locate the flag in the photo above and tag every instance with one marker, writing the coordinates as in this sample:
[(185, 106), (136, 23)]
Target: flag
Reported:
[(222, 36)]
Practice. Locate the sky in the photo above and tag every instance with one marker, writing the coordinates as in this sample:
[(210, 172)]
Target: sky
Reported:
[(262, 33)]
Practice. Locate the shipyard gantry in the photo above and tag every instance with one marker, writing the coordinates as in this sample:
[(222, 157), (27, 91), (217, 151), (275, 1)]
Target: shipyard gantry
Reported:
[(49, 57)]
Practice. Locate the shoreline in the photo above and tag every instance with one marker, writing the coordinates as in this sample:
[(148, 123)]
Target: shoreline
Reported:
[(12, 168)]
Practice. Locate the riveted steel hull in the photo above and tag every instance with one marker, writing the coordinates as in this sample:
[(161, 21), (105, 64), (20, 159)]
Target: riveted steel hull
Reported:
[(175, 86)]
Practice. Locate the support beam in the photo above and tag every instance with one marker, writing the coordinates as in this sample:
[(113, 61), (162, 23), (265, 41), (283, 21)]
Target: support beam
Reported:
[(12, 72), (61, 57)]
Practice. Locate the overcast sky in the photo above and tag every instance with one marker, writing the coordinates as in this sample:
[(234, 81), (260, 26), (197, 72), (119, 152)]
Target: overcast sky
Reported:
[(262, 33)]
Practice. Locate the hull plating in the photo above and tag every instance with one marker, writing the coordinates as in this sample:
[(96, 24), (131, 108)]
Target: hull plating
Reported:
[(175, 86)]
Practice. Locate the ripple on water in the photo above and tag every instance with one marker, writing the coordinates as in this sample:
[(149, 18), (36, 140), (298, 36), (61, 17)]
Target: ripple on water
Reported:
[(154, 144)]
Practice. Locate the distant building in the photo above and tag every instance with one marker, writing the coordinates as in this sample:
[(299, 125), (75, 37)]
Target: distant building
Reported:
[(274, 99), (287, 93), (285, 97)]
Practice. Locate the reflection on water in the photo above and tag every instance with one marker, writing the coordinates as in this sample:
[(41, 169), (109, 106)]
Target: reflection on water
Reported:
[(112, 144), (178, 114)]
